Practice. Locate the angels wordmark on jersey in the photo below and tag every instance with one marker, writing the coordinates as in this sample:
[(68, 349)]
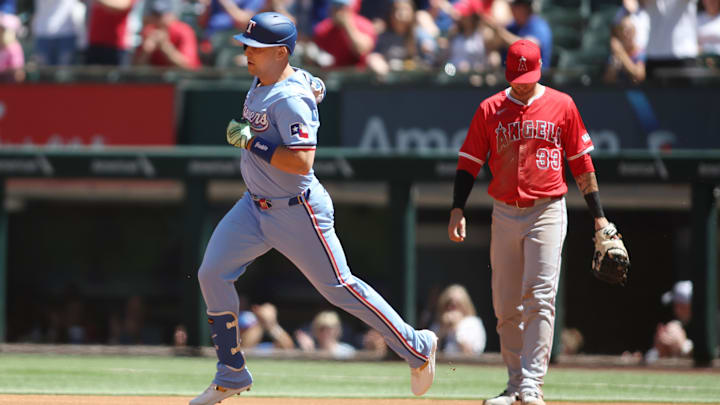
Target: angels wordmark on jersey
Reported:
[(537, 129)]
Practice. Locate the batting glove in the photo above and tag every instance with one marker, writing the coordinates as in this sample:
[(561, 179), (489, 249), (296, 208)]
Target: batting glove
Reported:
[(239, 134)]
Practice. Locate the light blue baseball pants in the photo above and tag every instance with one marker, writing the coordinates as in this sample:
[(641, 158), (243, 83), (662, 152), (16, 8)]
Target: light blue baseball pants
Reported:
[(303, 231)]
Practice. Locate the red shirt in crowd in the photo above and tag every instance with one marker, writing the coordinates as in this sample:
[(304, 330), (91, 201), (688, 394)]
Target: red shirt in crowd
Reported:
[(334, 40), (109, 27), (183, 39), (527, 144)]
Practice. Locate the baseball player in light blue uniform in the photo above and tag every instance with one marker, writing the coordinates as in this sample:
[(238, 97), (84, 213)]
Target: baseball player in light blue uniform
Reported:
[(286, 208)]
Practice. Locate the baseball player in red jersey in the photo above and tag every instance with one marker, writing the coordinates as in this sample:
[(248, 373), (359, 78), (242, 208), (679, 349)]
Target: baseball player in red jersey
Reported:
[(523, 133)]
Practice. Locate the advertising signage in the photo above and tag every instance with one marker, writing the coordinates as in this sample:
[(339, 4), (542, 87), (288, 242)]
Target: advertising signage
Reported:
[(87, 114), (391, 120)]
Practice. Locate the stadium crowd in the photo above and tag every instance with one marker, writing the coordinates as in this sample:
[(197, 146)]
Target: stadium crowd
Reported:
[(628, 41)]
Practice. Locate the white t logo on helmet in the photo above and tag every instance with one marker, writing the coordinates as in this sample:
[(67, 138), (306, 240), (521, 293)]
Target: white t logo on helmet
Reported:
[(250, 26)]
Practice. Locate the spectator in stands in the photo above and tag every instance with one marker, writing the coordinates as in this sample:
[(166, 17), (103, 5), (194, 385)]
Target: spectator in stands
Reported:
[(635, 10), (441, 13), (12, 58), (403, 45), (228, 15), (526, 25), (374, 342), (108, 36), (458, 327), (130, 327), (302, 11), (709, 28), (59, 29), (571, 341), (326, 332), (467, 45), (346, 35), (627, 61), (284, 7), (322, 9), (180, 336), (167, 41), (673, 35), (258, 322), (671, 339), (268, 325)]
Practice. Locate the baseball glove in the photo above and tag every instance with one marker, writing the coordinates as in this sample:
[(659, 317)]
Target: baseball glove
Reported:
[(610, 260)]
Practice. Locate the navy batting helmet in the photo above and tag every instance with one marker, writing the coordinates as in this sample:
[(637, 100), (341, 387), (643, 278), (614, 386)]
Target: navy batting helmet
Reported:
[(269, 29)]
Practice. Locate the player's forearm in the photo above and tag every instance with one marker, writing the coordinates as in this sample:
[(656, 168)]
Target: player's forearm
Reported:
[(464, 182), (587, 183), (293, 161)]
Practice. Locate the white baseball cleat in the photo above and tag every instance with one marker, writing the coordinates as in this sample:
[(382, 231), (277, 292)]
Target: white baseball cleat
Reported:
[(505, 398), (215, 393), (532, 398), (421, 378)]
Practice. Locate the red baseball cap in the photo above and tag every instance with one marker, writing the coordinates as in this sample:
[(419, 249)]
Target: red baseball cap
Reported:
[(470, 7), (523, 62)]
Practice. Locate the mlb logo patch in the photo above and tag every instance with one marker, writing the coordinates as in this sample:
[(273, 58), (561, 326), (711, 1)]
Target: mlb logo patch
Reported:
[(299, 129)]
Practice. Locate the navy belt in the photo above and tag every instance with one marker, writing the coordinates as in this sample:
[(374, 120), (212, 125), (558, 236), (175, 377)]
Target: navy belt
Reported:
[(266, 203)]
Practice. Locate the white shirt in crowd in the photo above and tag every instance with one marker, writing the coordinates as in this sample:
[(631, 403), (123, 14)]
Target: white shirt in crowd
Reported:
[(470, 331), (641, 21), (709, 33), (54, 18), (673, 29)]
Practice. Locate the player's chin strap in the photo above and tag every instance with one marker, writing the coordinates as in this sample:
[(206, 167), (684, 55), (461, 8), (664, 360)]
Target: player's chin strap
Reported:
[(226, 337)]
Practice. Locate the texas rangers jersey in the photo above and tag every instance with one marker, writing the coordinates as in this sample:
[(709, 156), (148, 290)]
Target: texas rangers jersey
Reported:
[(525, 144), (284, 113)]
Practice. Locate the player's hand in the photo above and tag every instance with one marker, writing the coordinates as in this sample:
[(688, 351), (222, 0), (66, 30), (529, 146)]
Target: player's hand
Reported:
[(239, 134), (456, 227)]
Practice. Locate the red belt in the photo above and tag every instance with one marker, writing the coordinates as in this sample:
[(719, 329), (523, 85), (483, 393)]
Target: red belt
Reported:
[(530, 203)]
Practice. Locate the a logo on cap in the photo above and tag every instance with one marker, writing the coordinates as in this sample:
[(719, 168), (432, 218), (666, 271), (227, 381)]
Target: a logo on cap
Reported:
[(522, 66), (251, 24)]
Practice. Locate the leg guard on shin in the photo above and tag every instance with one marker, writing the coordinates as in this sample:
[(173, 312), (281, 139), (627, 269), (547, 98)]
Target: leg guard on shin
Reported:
[(226, 337)]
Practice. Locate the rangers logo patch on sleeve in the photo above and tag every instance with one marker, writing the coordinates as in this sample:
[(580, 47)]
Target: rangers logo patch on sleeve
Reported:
[(299, 129), (586, 138)]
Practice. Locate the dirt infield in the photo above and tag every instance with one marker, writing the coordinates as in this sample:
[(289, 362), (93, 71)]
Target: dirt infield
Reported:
[(147, 400)]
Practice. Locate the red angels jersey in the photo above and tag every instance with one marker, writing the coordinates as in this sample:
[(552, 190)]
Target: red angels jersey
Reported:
[(525, 144)]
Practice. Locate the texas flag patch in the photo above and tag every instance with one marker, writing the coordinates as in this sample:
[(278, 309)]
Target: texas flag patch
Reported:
[(299, 129)]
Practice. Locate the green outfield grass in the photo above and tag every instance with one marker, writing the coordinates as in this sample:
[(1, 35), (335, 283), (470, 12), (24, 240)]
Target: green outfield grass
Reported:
[(131, 375)]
